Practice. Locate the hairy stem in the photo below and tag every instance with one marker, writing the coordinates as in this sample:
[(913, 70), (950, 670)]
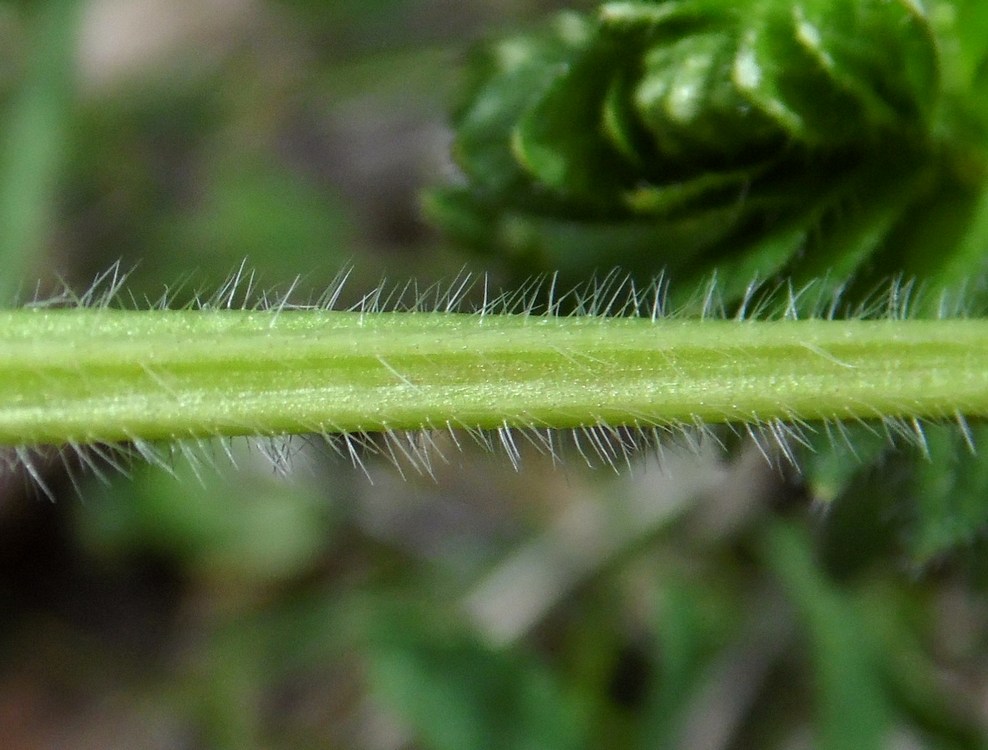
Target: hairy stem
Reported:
[(103, 375)]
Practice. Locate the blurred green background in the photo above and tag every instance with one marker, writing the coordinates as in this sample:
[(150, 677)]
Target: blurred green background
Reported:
[(704, 602)]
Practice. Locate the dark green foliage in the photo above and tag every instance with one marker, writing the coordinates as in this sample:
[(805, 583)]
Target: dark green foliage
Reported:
[(763, 139)]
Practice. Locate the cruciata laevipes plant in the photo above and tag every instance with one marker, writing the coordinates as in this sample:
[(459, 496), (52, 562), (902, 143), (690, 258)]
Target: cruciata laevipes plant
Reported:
[(835, 144)]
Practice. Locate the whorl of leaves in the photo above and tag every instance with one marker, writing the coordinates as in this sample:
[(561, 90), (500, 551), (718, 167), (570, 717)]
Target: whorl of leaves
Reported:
[(769, 137)]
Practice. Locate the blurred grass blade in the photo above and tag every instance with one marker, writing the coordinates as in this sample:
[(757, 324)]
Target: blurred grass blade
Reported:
[(690, 631), (34, 141), (852, 712)]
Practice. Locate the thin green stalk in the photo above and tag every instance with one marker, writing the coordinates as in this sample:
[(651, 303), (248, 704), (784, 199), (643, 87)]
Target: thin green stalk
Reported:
[(102, 375)]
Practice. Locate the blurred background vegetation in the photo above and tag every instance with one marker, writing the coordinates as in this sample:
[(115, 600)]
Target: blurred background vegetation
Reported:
[(705, 603)]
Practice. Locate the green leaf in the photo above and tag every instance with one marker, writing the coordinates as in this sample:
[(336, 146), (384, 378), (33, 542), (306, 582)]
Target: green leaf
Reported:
[(620, 124), (950, 491), (692, 108), (859, 486), (920, 508), (560, 140), (505, 81), (882, 53), (857, 220), (943, 239)]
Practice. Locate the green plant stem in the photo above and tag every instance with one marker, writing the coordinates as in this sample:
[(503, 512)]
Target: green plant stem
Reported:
[(104, 375)]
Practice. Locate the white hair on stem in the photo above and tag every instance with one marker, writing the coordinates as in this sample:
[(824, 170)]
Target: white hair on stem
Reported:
[(596, 441)]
